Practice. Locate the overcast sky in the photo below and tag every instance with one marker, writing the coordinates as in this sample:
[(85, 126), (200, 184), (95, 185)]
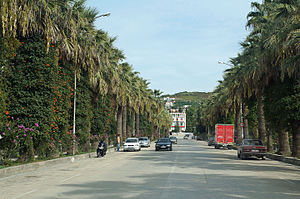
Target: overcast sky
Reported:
[(176, 44)]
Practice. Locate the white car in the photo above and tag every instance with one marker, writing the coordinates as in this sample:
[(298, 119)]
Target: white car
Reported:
[(132, 144)]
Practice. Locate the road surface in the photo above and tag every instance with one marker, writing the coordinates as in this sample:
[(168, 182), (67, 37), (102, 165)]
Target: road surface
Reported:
[(191, 170)]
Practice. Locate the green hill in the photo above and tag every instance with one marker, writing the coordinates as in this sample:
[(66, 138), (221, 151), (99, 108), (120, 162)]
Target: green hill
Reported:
[(189, 97)]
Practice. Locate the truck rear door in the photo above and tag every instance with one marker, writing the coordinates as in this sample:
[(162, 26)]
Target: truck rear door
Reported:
[(220, 133), (229, 134)]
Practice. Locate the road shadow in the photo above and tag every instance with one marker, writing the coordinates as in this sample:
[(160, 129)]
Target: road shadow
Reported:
[(181, 185)]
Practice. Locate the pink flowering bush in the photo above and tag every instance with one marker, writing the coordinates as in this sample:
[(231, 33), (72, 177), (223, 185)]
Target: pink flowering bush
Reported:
[(17, 140)]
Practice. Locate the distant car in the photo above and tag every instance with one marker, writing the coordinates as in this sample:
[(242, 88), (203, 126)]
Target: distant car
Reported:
[(173, 139), (186, 137), (163, 144), (211, 141), (199, 138), (144, 141), (132, 144), (251, 147)]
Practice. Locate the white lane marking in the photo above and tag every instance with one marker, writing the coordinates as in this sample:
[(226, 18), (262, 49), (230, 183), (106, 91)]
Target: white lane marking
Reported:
[(23, 194), (70, 178)]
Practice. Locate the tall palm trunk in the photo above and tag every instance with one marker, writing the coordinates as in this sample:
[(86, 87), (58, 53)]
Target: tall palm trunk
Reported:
[(119, 122), (255, 133), (152, 133), (237, 131), (284, 145), (137, 123), (270, 141), (261, 117), (245, 127), (133, 124), (296, 138), (124, 121), (155, 131), (158, 132), (208, 131)]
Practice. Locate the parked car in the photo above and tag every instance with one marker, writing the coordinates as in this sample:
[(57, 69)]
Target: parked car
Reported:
[(144, 141), (251, 147), (132, 144), (173, 139), (211, 141), (186, 136), (199, 138), (163, 144)]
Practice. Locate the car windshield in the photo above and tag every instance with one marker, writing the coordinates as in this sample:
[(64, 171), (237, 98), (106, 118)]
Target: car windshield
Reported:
[(173, 138), (164, 140), (130, 140), (253, 142), (141, 139)]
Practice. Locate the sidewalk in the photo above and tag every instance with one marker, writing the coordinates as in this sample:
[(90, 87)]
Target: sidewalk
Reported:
[(281, 158), (33, 166)]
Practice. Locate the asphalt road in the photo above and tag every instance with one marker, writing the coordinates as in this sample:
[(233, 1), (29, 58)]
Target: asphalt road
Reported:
[(191, 170)]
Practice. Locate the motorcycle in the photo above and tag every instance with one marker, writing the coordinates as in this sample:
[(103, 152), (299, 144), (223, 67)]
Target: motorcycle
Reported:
[(101, 151)]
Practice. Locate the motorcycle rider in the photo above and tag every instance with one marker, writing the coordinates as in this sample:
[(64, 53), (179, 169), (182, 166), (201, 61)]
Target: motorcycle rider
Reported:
[(101, 149)]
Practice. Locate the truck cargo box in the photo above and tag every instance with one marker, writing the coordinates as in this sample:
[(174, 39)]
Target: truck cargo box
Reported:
[(224, 134)]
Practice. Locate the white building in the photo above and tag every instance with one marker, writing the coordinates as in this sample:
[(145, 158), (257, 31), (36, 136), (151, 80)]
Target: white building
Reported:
[(178, 118)]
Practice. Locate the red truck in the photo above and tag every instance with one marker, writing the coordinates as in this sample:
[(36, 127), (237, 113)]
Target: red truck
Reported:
[(224, 134)]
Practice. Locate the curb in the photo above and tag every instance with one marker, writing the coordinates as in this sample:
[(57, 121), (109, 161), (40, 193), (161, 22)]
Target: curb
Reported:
[(5, 172), (281, 158)]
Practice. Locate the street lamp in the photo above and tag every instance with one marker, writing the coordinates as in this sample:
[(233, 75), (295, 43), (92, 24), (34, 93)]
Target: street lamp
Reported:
[(74, 106)]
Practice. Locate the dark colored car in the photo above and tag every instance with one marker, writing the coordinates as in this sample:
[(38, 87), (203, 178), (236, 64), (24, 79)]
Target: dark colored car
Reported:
[(251, 147), (211, 141), (199, 138), (163, 144), (173, 139)]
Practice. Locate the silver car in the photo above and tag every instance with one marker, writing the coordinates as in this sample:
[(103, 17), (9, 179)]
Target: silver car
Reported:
[(173, 139), (144, 141)]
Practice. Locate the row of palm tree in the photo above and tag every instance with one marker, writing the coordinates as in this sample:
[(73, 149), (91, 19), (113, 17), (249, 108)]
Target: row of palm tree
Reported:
[(261, 89), (69, 25)]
